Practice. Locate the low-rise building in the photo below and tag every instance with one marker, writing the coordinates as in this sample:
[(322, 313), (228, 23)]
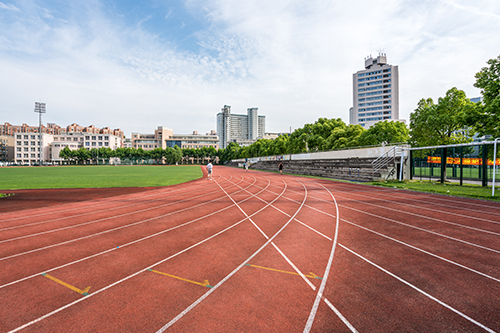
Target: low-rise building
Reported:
[(6, 148), (29, 149), (164, 137), (194, 140)]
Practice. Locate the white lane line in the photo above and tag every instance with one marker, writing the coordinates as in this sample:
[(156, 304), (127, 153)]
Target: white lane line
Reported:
[(183, 313), (411, 246), (120, 246), (337, 312), (426, 217), (321, 289), (319, 296), (97, 202), (436, 204), (421, 291), (272, 243), (132, 275), (91, 212), (425, 195), (405, 224), (425, 230), (423, 251), (418, 215), (107, 218)]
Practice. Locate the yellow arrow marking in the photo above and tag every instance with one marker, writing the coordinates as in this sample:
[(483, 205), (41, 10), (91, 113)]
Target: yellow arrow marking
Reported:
[(312, 275), (204, 283), (83, 292)]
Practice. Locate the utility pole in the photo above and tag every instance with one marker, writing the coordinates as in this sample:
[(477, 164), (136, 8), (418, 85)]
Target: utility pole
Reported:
[(40, 108)]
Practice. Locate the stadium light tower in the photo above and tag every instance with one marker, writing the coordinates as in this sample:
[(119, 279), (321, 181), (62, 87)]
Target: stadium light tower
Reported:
[(40, 108)]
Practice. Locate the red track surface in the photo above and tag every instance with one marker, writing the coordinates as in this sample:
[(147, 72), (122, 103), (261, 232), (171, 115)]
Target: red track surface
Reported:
[(253, 251)]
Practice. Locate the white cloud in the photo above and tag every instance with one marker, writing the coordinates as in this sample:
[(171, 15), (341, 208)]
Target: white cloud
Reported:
[(292, 59), (9, 7)]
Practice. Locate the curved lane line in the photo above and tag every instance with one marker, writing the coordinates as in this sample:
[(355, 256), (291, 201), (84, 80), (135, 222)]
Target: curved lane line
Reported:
[(134, 274), (98, 202), (420, 291), (408, 225), (297, 270), (120, 246), (319, 295), (109, 218), (183, 313), (94, 212)]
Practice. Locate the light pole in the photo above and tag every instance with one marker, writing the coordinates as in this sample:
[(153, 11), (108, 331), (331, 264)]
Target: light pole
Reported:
[(40, 108)]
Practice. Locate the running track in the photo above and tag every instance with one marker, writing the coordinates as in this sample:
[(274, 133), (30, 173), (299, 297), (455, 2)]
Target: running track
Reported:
[(251, 252)]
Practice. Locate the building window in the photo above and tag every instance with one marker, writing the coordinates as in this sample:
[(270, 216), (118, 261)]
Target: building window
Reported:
[(18, 149), (93, 138), (100, 144), (33, 149), (26, 155), (93, 144), (75, 139), (18, 155), (106, 143), (87, 138), (25, 137), (87, 144), (18, 137), (33, 143)]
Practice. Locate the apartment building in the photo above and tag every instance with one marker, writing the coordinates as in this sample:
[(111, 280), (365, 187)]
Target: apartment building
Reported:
[(151, 141), (6, 148), (194, 140), (239, 127), (375, 93), (165, 137), (29, 148)]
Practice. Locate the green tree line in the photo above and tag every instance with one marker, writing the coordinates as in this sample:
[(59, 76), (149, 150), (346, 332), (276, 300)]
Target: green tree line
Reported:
[(453, 119)]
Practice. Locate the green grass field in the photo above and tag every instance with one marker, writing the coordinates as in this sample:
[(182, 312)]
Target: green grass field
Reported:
[(452, 189), (96, 176)]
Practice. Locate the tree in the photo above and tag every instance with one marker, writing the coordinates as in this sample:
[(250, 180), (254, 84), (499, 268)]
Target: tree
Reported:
[(442, 123), (485, 117), (384, 131)]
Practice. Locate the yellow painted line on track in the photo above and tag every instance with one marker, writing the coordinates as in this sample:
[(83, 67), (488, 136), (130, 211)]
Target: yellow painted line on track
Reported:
[(84, 292), (311, 275), (204, 283)]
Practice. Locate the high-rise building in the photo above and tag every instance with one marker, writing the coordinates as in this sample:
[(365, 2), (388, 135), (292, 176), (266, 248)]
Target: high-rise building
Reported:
[(375, 93), (239, 127)]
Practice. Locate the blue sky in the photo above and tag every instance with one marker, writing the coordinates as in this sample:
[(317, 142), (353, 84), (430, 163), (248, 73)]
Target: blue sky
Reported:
[(136, 65)]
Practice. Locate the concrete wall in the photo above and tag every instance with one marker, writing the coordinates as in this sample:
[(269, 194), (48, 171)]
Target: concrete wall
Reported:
[(352, 164)]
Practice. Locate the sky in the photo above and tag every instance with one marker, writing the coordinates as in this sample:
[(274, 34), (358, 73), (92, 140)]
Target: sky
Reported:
[(137, 65)]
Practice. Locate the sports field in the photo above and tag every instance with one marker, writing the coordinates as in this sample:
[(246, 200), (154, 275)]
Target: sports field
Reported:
[(95, 176), (253, 252)]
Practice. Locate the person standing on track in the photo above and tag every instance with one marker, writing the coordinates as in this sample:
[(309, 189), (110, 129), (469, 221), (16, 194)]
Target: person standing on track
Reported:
[(280, 168), (209, 170)]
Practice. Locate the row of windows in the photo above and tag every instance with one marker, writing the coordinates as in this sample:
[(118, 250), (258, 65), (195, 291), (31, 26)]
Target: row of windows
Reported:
[(373, 119), (373, 113), (377, 93), (27, 155), (375, 103), (375, 72), (376, 108), (375, 88), (33, 137), (26, 143), (27, 149)]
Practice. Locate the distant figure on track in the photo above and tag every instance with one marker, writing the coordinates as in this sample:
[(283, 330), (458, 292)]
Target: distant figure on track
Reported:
[(246, 166), (209, 170), (280, 168)]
